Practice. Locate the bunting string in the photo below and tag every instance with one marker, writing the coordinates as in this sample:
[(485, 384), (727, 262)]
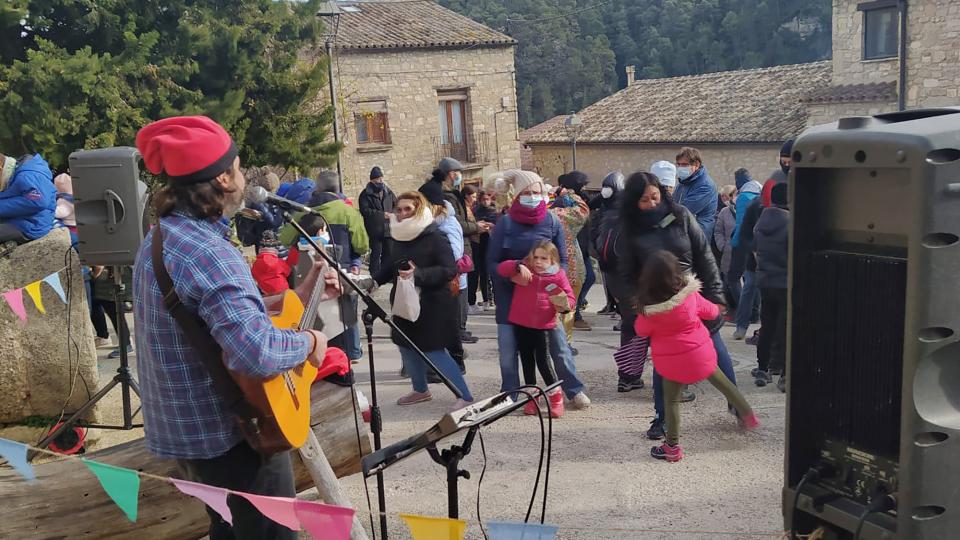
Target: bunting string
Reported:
[(14, 297), (318, 518)]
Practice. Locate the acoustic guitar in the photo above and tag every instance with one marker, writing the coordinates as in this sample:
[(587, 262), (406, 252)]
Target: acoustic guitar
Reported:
[(284, 399)]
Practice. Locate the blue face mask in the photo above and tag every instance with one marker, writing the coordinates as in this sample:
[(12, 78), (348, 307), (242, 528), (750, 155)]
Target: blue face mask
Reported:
[(683, 173), (531, 201), (552, 270), (457, 180)]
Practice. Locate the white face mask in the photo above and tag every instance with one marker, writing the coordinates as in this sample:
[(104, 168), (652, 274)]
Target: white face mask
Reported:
[(606, 192)]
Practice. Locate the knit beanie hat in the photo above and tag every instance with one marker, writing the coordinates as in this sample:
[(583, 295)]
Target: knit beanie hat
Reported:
[(573, 180), (188, 149), (448, 164), (433, 192), (328, 181), (513, 181), (376, 173), (666, 172), (787, 149)]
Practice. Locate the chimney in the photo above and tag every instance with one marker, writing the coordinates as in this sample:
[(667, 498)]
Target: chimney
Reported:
[(631, 70)]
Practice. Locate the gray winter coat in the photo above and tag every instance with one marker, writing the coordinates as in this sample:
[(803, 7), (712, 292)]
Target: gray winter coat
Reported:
[(723, 236), (771, 236)]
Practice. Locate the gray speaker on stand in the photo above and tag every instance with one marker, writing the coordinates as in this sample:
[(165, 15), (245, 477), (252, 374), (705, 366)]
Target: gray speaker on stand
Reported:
[(873, 362), (109, 202)]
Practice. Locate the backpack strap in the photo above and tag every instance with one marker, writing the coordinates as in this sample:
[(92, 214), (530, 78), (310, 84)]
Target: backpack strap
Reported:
[(211, 354)]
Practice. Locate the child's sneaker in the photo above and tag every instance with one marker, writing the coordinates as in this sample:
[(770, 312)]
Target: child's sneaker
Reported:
[(762, 378), (555, 401), (667, 452), (532, 408), (750, 422)]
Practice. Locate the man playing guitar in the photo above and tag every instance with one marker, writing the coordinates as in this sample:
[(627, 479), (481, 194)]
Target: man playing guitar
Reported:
[(185, 418)]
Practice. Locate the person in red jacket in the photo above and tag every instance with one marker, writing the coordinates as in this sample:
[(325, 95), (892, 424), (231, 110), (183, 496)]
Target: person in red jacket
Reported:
[(671, 314), (533, 311)]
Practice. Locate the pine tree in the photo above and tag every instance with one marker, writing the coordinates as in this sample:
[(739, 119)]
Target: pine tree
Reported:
[(238, 62)]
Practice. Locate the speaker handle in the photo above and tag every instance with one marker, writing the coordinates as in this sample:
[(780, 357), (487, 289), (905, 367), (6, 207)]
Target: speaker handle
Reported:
[(113, 201)]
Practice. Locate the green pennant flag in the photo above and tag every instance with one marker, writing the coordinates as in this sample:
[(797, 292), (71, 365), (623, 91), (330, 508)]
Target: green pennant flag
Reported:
[(122, 485)]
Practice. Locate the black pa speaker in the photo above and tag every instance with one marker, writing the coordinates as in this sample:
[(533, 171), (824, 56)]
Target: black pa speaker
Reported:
[(109, 200), (873, 364)]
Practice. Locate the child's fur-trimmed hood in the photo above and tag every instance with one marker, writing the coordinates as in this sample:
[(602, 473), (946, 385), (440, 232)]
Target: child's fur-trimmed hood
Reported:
[(693, 285)]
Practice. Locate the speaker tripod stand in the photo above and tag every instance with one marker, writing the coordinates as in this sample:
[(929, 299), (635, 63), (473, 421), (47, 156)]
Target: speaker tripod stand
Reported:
[(123, 378)]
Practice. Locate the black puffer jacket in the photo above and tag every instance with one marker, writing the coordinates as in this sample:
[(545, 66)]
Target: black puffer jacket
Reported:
[(431, 254), (771, 242), (679, 234), (373, 204)]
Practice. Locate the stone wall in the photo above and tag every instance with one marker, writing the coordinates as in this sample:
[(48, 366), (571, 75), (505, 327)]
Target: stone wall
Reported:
[(848, 64), (824, 113), (38, 367), (933, 53), (597, 160), (408, 80)]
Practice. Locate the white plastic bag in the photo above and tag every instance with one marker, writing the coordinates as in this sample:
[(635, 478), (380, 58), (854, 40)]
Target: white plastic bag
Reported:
[(406, 301)]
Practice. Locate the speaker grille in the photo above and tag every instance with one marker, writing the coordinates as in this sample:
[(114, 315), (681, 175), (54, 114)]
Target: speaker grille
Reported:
[(847, 354)]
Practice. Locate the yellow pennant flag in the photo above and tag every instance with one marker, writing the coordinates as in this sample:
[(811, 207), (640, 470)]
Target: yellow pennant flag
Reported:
[(431, 528), (33, 290)]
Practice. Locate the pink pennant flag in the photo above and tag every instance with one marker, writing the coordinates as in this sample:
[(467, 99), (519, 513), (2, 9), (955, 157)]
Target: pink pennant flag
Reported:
[(324, 521), (213, 497), (14, 299), (279, 509)]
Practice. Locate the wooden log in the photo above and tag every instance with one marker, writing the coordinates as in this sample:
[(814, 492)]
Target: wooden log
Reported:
[(314, 460), (68, 502)]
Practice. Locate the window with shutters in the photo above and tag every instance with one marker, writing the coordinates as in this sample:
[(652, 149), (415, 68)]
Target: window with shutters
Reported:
[(371, 121)]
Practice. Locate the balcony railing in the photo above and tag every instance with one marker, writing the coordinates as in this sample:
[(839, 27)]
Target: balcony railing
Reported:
[(473, 150)]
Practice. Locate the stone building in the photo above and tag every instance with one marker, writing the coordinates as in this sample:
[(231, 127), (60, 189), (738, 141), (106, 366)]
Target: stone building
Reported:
[(417, 82), (735, 118), (867, 49), (738, 118)]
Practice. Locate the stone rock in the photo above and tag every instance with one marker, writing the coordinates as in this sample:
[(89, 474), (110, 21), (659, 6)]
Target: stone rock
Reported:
[(39, 367)]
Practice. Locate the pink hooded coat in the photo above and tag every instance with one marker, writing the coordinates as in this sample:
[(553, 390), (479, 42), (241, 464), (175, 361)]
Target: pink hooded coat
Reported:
[(682, 349), (531, 306)]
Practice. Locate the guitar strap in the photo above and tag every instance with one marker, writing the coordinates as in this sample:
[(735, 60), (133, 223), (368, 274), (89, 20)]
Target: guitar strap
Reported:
[(211, 354)]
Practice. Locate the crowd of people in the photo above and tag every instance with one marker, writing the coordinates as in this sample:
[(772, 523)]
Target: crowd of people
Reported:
[(678, 257)]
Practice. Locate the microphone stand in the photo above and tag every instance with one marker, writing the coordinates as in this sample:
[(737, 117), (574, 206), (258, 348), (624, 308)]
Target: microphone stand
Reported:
[(370, 314)]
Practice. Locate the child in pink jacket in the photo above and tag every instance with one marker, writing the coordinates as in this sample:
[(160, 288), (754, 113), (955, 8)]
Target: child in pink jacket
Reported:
[(671, 314), (533, 312)]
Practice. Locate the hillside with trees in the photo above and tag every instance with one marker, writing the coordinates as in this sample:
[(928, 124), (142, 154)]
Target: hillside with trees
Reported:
[(573, 52)]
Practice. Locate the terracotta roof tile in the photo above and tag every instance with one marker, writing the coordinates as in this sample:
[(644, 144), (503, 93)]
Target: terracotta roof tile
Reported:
[(410, 24), (853, 93), (750, 106)]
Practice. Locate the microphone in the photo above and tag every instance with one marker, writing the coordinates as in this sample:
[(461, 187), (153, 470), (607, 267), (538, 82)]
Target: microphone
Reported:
[(256, 194)]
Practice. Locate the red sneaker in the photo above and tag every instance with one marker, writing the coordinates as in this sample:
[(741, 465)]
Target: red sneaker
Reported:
[(532, 408), (667, 452), (749, 423), (555, 399)]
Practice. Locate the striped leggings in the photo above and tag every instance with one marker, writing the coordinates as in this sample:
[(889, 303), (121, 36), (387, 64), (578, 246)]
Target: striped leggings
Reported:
[(632, 355)]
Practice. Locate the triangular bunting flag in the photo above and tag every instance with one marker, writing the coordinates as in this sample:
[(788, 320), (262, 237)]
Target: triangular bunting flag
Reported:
[(500, 530), (122, 485), (33, 290), (323, 521), (213, 497), (431, 528), (53, 280), (16, 455), (279, 509), (14, 299)]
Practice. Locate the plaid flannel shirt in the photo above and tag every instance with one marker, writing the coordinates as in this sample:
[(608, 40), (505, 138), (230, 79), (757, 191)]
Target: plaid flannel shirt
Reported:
[(184, 417)]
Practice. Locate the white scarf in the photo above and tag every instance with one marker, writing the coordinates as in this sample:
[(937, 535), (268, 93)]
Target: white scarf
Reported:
[(410, 228)]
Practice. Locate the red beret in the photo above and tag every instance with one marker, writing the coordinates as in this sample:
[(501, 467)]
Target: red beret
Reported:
[(188, 149)]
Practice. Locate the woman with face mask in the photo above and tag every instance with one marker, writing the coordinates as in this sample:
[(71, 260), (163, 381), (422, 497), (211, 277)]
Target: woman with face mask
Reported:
[(527, 222), (651, 221), (600, 207)]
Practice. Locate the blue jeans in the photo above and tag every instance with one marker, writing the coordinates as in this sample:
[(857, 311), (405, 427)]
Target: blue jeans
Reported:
[(417, 369), (352, 341), (724, 362), (747, 298), (587, 284), (559, 352)]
